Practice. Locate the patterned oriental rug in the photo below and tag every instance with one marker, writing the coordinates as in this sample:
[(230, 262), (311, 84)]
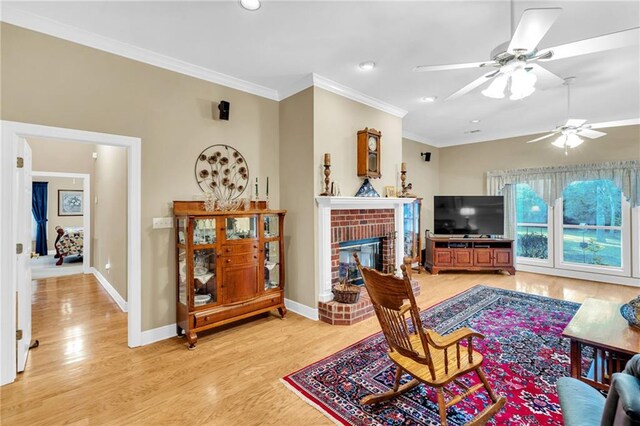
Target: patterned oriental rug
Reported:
[(524, 355)]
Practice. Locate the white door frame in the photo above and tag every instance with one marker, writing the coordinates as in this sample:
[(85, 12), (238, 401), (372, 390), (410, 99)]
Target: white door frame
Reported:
[(86, 210), (10, 131)]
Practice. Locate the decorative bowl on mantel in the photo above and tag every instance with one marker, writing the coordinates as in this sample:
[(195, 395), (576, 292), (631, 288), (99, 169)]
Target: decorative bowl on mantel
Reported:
[(630, 312)]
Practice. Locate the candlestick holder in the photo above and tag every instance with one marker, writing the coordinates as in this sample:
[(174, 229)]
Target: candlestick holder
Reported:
[(403, 178), (327, 172)]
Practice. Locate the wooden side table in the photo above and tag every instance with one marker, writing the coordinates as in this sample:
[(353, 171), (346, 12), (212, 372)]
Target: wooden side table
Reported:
[(598, 325)]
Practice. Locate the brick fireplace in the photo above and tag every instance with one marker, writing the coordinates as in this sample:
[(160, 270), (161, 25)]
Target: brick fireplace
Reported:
[(362, 224), (342, 219)]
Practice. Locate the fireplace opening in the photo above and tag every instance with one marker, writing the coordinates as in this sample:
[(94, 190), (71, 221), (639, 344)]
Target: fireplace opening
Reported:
[(370, 254)]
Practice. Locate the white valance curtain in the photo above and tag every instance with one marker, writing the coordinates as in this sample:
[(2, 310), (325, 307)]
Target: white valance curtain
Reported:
[(549, 182)]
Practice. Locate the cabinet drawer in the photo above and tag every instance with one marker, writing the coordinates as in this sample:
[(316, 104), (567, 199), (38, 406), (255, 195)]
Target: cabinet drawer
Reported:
[(224, 313), (244, 247), (239, 259)]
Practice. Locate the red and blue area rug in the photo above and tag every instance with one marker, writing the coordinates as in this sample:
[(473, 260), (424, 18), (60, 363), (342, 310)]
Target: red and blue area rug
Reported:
[(524, 355)]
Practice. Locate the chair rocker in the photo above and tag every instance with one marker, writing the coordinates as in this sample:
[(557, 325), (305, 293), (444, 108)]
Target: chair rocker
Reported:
[(430, 358)]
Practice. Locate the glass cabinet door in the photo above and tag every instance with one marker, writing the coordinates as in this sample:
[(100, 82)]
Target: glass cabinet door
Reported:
[(182, 276), (181, 230), (204, 277), (204, 231), (239, 228), (271, 265), (409, 231), (271, 226)]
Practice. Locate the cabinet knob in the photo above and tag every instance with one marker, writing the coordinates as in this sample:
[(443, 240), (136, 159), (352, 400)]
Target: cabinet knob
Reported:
[(227, 250), (228, 260), (255, 257), (255, 246)]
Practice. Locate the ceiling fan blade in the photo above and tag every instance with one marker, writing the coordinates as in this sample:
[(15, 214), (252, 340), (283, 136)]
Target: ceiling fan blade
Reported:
[(542, 137), (617, 123), (425, 68), (615, 40), (575, 122), (533, 25), (546, 79), (469, 87), (591, 134)]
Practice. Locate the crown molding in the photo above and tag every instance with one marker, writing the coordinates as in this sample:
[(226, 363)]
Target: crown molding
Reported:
[(57, 29), (419, 138), (354, 95), (73, 34)]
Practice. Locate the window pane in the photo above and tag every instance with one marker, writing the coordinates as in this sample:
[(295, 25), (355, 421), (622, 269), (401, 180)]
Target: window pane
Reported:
[(530, 208), (532, 242), (592, 202), (592, 246)]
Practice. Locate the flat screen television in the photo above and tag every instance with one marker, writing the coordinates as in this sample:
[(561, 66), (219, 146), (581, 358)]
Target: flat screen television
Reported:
[(468, 215)]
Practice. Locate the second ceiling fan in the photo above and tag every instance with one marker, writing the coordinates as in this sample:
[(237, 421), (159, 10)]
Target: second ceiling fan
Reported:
[(514, 64)]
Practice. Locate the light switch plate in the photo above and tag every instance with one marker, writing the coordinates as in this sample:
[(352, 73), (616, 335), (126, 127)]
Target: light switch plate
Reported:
[(162, 222)]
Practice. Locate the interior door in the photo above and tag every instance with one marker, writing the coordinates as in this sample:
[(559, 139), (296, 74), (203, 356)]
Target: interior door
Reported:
[(23, 265)]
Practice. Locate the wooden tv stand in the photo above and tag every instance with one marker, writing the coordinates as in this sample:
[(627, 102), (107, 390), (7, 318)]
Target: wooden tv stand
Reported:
[(469, 254)]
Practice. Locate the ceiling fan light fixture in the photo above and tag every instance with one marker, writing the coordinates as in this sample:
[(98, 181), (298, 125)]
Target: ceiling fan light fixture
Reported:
[(522, 83), (559, 142), (573, 140), (497, 87)]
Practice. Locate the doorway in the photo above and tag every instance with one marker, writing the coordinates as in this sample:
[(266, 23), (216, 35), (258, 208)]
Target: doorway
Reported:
[(61, 185), (13, 133)]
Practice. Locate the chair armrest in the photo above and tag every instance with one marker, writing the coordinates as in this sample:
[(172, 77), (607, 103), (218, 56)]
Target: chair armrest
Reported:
[(581, 404), (441, 342), (624, 393)]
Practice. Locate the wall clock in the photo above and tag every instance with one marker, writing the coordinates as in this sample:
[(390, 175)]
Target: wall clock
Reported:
[(369, 153)]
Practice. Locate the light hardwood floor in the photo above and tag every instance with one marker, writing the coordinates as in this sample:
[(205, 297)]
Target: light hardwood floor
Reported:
[(83, 372)]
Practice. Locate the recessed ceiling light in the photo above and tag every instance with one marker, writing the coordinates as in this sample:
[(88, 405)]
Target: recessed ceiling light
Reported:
[(367, 65), (474, 121), (428, 99), (250, 4)]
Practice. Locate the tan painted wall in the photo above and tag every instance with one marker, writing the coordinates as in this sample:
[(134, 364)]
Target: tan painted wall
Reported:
[(296, 195), (54, 82), (425, 177), (110, 216), (463, 168), (55, 184), (336, 124)]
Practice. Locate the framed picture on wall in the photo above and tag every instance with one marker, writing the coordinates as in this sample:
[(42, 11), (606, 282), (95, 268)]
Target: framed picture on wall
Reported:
[(390, 191), (70, 202)]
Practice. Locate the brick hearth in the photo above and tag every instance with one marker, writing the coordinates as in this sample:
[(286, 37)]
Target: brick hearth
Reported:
[(346, 314)]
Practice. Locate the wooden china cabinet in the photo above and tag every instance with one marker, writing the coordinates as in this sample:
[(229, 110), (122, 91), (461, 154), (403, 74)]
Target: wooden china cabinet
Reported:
[(230, 266)]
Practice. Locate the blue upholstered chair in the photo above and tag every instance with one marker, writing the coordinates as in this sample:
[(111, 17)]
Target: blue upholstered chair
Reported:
[(582, 405)]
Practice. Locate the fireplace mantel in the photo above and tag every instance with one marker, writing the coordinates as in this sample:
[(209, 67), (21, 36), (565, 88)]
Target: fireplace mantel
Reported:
[(325, 205)]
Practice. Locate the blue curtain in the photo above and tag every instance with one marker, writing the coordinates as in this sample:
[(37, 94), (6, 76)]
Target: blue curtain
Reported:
[(39, 209)]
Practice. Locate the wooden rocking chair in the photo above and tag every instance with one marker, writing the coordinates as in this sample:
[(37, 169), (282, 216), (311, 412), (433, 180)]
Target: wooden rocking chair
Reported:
[(430, 358)]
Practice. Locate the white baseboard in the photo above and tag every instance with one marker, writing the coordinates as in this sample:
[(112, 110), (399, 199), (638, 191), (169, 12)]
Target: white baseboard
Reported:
[(301, 309), (51, 253), (109, 288), (157, 334), (611, 279)]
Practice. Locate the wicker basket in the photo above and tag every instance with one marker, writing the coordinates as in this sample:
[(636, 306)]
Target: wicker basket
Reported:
[(346, 293)]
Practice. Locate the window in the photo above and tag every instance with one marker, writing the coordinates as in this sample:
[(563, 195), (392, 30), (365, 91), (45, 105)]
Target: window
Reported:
[(532, 221), (592, 223)]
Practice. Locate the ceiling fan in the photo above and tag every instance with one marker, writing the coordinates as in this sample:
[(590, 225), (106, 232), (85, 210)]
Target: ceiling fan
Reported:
[(569, 134), (516, 59)]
